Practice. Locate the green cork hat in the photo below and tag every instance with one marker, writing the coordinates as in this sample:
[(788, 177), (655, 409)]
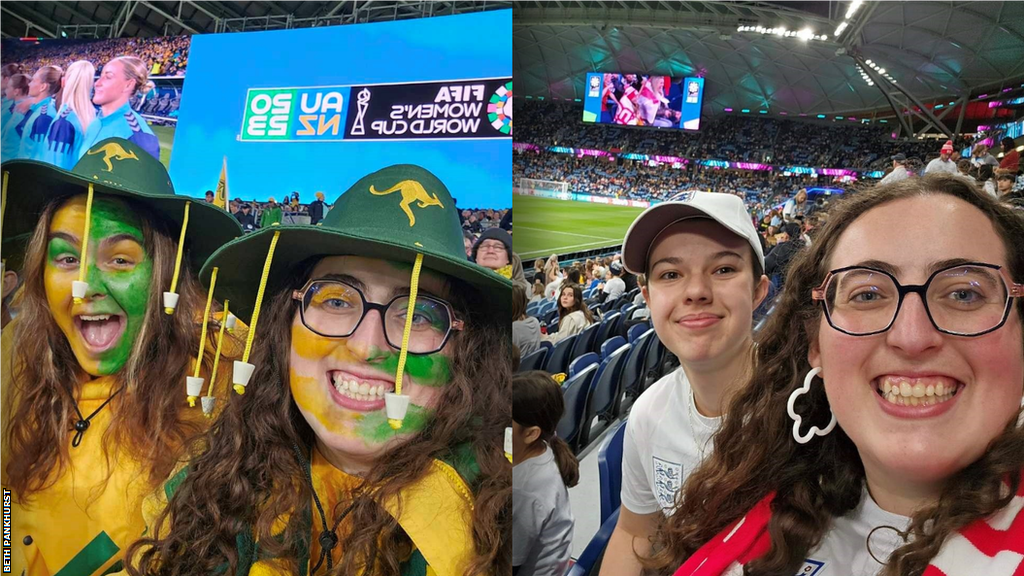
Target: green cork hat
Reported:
[(393, 214), (115, 167), (400, 213)]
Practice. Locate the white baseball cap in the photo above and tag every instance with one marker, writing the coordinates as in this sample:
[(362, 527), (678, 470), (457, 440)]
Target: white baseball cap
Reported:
[(726, 209)]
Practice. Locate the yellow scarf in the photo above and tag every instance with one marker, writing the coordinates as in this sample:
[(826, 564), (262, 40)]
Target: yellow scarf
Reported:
[(506, 271)]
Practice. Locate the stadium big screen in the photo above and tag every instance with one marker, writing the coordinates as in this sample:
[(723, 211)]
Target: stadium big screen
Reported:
[(643, 100), (315, 109)]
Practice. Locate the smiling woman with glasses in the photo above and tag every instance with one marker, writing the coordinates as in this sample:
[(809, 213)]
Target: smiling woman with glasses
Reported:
[(881, 430)]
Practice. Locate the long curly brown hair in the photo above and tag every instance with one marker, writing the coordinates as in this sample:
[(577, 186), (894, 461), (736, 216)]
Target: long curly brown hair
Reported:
[(814, 483), (249, 477), (150, 418)]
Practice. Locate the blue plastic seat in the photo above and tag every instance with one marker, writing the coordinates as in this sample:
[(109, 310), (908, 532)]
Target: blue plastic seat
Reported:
[(534, 360), (604, 394), (578, 364), (609, 469), (633, 371), (653, 361), (584, 565), (611, 345), (575, 391), (604, 332), (636, 331), (547, 345), (558, 359), (585, 340)]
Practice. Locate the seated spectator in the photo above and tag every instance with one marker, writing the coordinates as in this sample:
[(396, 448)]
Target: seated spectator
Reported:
[(943, 163), (494, 251), (790, 241), (796, 206), (246, 218), (615, 286), (599, 277), (1004, 184), (525, 329), (538, 291), (1010, 155), (573, 313), (986, 181), (981, 156), (543, 467)]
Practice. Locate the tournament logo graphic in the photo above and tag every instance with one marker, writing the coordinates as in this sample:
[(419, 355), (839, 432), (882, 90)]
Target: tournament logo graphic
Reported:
[(444, 110), (668, 478), (692, 91), (595, 86), (499, 111)]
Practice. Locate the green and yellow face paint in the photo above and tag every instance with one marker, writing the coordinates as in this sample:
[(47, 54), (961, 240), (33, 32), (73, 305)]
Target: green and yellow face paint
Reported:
[(102, 323), (341, 384)]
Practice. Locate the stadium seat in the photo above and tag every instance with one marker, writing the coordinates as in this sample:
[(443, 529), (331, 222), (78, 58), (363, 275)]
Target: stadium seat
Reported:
[(609, 469), (533, 307), (578, 364), (605, 331), (636, 331), (547, 345), (611, 345), (585, 340), (575, 391), (585, 564), (551, 319), (534, 360), (633, 371), (653, 361), (617, 326), (558, 359), (604, 394)]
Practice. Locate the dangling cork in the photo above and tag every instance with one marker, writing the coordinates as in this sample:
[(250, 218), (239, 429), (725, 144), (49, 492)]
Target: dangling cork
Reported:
[(80, 287), (242, 370), (397, 404), (171, 298), (194, 384), (209, 401)]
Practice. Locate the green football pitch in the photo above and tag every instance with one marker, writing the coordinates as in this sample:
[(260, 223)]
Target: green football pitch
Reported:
[(543, 226), (166, 136)]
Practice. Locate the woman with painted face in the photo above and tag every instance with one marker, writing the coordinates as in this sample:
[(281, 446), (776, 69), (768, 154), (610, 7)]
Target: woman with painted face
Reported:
[(66, 136), (368, 438), (45, 89), (120, 79), (94, 366), (907, 334)]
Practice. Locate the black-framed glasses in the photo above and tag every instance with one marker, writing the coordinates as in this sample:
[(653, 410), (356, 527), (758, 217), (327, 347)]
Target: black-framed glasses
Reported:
[(335, 309), (969, 299)]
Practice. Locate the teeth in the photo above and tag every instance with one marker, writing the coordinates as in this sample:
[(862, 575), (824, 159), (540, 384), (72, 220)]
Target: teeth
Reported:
[(359, 390), (901, 392), (95, 318)]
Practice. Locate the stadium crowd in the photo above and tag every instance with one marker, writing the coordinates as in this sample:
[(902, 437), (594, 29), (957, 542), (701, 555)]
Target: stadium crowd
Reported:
[(165, 55), (733, 138)]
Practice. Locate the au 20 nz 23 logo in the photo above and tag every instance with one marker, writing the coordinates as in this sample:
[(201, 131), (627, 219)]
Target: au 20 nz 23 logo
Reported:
[(447, 110)]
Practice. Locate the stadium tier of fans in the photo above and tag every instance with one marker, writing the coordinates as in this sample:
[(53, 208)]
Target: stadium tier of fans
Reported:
[(165, 55)]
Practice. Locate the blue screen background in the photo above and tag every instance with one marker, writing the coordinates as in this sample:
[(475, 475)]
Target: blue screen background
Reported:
[(222, 67)]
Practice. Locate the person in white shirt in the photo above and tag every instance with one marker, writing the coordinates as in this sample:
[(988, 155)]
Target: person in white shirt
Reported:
[(796, 206), (980, 155), (882, 429), (543, 468), (703, 267), (573, 313), (899, 170), (615, 286), (943, 162)]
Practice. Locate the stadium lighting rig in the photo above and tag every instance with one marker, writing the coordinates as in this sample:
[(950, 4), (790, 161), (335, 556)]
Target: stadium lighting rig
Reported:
[(854, 6), (874, 66), (805, 34)]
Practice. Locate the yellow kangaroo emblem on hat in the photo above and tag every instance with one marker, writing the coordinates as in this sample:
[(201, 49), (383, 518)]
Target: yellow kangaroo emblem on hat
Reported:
[(412, 191), (115, 151)]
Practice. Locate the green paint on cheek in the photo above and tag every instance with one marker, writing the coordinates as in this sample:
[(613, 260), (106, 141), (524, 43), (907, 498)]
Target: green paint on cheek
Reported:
[(432, 370), (374, 427)]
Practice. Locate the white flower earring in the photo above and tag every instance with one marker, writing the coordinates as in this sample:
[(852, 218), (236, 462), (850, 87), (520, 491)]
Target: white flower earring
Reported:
[(798, 420)]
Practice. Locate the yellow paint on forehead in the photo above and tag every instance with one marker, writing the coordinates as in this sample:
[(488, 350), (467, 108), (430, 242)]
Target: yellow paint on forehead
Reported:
[(70, 218), (311, 398)]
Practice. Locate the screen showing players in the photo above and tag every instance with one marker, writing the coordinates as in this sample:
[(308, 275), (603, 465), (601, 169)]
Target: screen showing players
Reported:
[(643, 100)]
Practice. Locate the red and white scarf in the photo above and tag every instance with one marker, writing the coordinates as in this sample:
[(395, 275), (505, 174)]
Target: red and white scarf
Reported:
[(993, 546)]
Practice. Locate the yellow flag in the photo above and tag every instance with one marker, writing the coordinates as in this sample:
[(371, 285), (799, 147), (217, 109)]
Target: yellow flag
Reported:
[(220, 198)]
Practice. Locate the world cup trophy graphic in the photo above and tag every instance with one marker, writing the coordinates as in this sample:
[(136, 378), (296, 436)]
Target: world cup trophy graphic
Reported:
[(362, 102)]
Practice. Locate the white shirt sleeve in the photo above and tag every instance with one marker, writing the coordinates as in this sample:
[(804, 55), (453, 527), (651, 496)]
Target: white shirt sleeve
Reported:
[(636, 494)]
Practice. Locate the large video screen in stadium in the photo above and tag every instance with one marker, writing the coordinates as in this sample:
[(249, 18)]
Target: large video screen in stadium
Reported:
[(57, 121), (315, 109), (643, 100)]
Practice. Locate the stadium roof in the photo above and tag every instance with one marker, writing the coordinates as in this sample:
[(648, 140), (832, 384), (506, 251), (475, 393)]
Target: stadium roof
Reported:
[(151, 18), (930, 49)]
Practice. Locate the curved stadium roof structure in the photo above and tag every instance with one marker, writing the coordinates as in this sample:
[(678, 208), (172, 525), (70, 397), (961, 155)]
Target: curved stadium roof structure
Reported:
[(783, 57)]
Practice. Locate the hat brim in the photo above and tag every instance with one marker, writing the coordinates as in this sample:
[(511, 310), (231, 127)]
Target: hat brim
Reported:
[(241, 262), (32, 185), (652, 222)]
